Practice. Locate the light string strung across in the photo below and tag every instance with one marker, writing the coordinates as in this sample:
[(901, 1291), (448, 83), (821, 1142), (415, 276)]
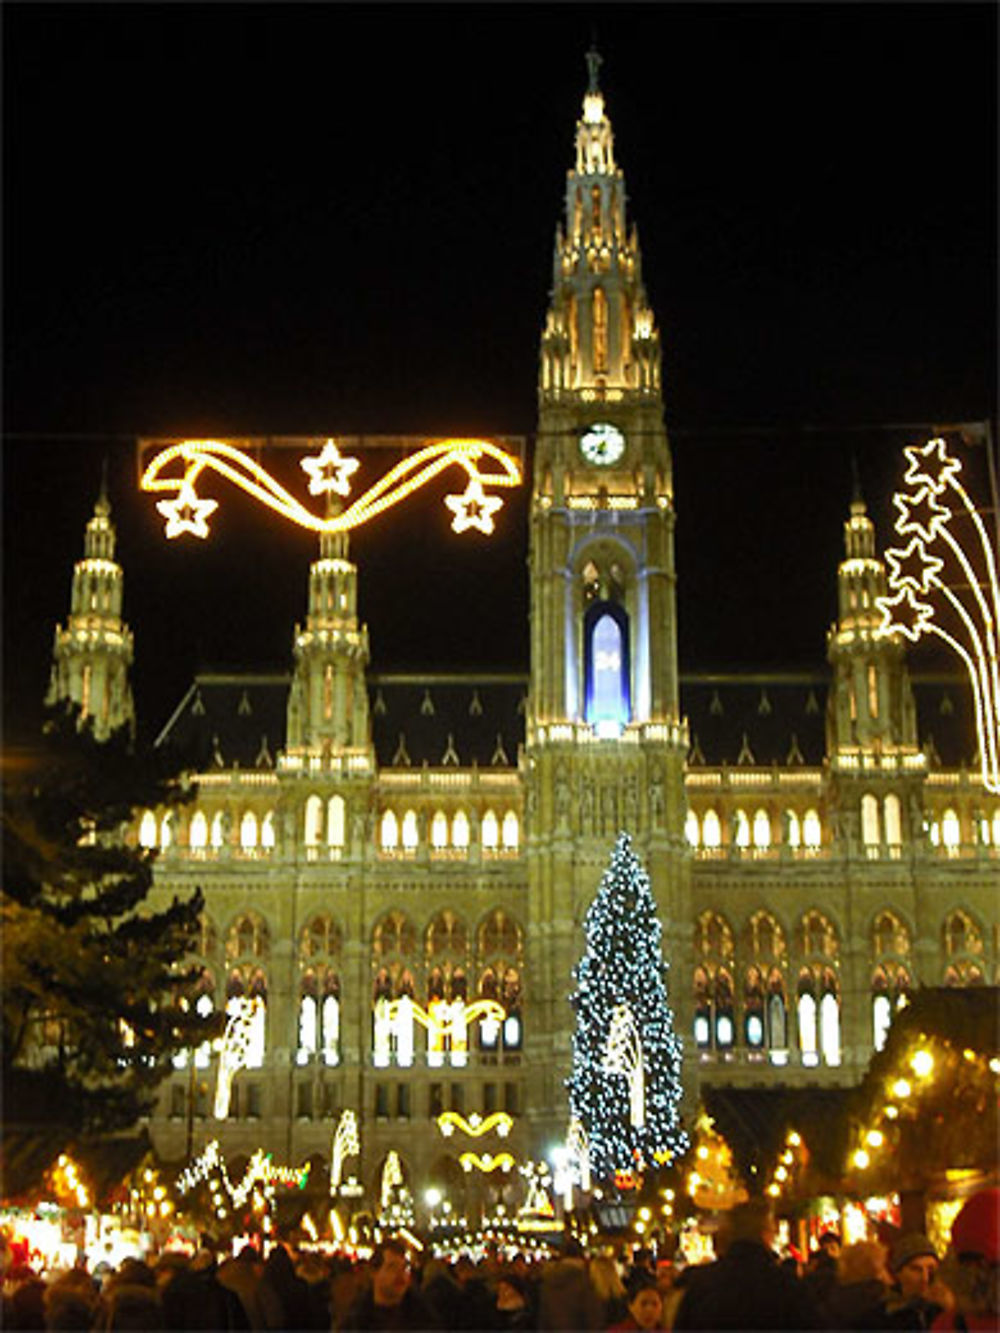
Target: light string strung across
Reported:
[(330, 474), (936, 576)]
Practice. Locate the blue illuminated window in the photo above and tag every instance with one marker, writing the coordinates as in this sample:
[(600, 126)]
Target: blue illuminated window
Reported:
[(607, 702)]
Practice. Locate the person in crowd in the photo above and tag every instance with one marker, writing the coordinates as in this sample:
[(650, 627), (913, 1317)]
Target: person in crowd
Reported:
[(314, 1272), (746, 1289), (644, 1305), (389, 1301), (858, 1295), (442, 1294), (71, 1301), (133, 1306), (916, 1297), (514, 1302), (240, 1275), (610, 1289), (567, 1299), (194, 1299), (820, 1274), (973, 1266)]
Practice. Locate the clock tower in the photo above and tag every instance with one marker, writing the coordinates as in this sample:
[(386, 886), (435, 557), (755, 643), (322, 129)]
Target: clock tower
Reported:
[(606, 744)]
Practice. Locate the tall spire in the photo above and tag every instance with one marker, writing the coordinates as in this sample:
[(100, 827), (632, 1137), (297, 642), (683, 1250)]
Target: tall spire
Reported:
[(91, 656), (600, 338)]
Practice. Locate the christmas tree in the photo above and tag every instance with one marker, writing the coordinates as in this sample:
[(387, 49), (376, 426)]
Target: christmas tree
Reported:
[(625, 1085)]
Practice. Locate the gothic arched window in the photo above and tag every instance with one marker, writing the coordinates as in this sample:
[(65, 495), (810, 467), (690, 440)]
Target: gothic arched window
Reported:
[(607, 672)]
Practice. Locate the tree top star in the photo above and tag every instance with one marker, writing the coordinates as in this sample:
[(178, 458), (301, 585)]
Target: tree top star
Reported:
[(474, 509), (186, 513), (330, 471)]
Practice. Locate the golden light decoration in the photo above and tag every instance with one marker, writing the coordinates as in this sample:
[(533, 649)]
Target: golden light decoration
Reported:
[(346, 1143), (502, 1161), (476, 1126), (261, 1171), (623, 1055), (176, 469), (241, 1029), (937, 577)]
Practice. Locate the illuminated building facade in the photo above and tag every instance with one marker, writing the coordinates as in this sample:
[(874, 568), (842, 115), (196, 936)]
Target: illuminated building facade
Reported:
[(378, 852)]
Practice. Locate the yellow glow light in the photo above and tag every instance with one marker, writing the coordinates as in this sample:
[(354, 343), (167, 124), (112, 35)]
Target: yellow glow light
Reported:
[(922, 1063), (901, 1088), (329, 471), (874, 1138), (475, 1127), (861, 1159), (961, 580), (487, 1162), (793, 1138)]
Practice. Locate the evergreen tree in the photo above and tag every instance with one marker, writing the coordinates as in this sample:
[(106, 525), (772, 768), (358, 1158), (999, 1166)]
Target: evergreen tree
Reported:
[(94, 980), (625, 1085)]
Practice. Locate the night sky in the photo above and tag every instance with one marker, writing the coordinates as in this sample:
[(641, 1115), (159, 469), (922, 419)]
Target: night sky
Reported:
[(327, 219)]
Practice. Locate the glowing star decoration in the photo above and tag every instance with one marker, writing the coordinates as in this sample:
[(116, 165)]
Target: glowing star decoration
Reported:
[(330, 471), (392, 1178), (345, 1144), (484, 464), (476, 1125), (957, 581), (471, 1161), (237, 1043), (474, 509), (624, 1056), (187, 513)]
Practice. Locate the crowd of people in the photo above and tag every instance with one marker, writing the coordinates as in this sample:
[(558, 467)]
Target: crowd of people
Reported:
[(860, 1286)]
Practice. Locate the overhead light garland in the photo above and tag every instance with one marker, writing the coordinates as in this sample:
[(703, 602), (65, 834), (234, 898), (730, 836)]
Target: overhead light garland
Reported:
[(476, 1125), (330, 474), (937, 578), (502, 1161)]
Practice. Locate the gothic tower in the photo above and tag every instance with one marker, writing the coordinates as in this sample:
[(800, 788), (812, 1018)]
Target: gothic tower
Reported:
[(92, 654), (606, 744)]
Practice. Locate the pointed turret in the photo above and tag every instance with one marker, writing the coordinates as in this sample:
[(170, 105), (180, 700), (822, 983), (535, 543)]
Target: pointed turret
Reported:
[(328, 704), (599, 333), (91, 656)]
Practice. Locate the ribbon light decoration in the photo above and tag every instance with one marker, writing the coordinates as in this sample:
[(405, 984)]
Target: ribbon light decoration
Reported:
[(937, 577), (330, 474)]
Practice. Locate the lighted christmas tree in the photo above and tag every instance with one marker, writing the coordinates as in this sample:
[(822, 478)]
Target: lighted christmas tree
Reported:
[(625, 1084)]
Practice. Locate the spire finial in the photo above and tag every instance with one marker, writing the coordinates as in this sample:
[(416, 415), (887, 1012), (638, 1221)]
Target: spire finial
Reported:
[(103, 506), (857, 497), (594, 63)]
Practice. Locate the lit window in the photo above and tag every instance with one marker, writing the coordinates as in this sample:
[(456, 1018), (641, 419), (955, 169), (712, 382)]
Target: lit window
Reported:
[(869, 820), (711, 830), (198, 834), (829, 1024), (702, 1030), (742, 829), (996, 827), (331, 1029), (807, 1028), (389, 836), (147, 829), (218, 829), (403, 1031), (881, 1020), (724, 1029), (490, 830), (951, 831), (439, 830), (812, 831), (761, 829), (512, 1032), (335, 822), (410, 832), (755, 1029), (460, 830), (794, 829), (691, 829), (893, 820), (511, 831), (267, 830), (248, 831), (307, 1027), (314, 821)]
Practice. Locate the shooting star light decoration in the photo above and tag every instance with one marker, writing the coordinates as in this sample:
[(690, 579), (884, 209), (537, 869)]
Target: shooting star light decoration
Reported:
[(177, 468), (947, 587)]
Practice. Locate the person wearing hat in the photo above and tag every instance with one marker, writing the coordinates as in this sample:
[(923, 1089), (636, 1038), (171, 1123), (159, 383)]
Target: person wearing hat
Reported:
[(916, 1297), (514, 1308), (973, 1265)]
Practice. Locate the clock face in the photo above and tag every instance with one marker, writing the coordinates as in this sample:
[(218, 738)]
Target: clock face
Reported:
[(602, 444)]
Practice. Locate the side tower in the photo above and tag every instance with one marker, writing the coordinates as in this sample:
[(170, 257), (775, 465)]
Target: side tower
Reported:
[(92, 653), (606, 745)]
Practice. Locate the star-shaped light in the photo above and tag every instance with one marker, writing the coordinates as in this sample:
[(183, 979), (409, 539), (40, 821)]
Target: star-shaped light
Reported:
[(474, 509), (930, 465), (927, 524), (329, 470), (186, 513), (915, 555), (904, 613)]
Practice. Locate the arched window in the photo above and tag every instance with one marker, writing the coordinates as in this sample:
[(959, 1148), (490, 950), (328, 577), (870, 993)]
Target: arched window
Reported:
[(711, 830), (460, 829), (248, 831), (267, 831), (410, 831), (198, 832), (819, 935), (812, 830), (600, 308), (870, 833), (167, 830), (314, 821), (607, 694), (335, 821), (389, 832), (890, 988), (808, 1045), (761, 829), (951, 832), (218, 836), (490, 830), (439, 830), (330, 1023), (691, 831), (511, 831), (996, 827), (829, 1022), (892, 816), (308, 1022), (702, 1009), (890, 936), (147, 829), (962, 935), (793, 829)]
